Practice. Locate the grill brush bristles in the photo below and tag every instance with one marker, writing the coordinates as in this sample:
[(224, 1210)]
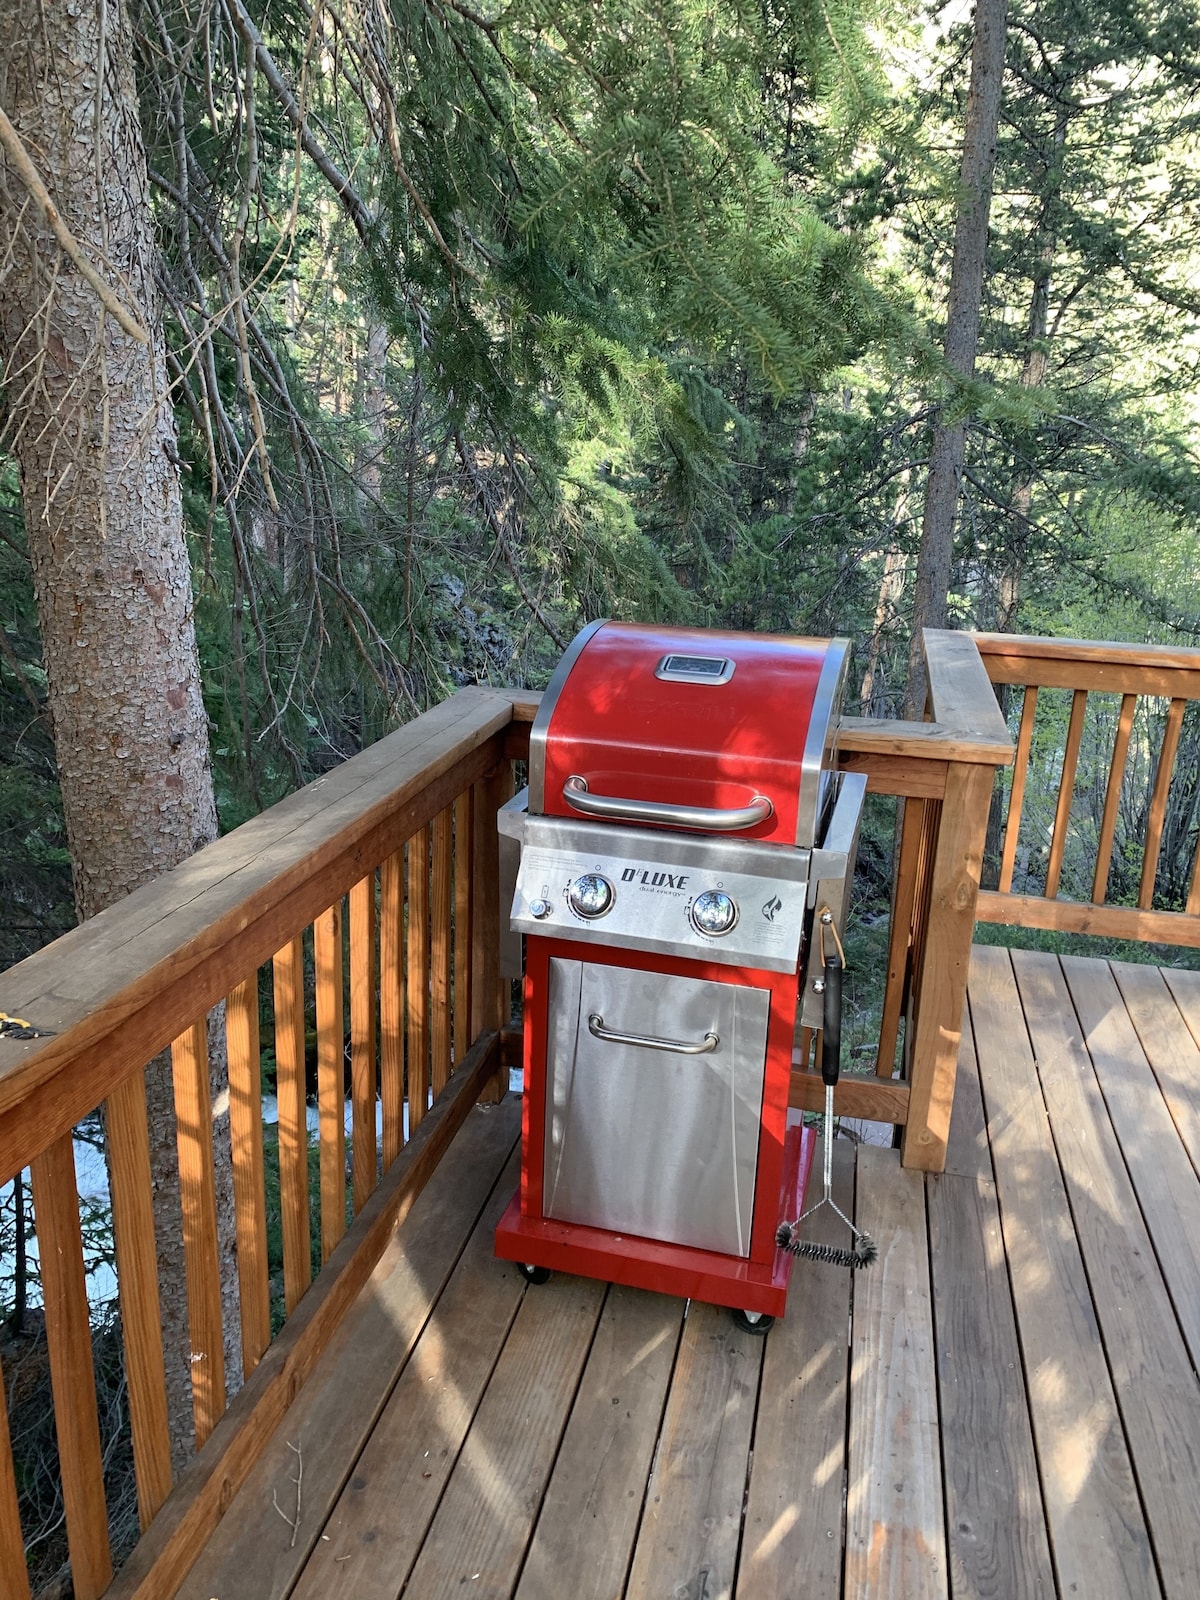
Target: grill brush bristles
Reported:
[(865, 1250)]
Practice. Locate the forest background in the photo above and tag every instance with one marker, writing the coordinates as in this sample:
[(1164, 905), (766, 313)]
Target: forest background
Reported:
[(479, 326)]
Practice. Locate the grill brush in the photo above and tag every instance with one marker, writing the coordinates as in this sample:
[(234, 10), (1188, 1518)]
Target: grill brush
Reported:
[(787, 1235)]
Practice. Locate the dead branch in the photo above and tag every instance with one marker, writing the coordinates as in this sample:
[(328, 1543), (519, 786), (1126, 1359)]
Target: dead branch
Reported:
[(25, 169)]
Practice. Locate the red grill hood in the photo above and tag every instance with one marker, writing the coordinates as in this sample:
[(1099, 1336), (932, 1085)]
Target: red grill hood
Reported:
[(649, 713)]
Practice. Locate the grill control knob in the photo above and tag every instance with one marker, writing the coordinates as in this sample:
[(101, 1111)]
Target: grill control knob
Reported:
[(591, 895), (713, 912)]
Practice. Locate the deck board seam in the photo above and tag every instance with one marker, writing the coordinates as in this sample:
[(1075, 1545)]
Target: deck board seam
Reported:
[(1089, 1275), (567, 1412), (1018, 1320), (501, 1346), (381, 1407), (943, 1465), (657, 1451), (741, 1539), (1160, 1265)]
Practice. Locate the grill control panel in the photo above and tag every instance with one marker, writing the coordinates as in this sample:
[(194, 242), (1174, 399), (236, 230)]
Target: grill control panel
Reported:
[(733, 902)]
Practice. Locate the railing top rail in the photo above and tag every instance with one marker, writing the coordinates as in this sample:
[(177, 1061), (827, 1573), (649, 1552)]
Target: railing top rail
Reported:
[(122, 985), (996, 648)]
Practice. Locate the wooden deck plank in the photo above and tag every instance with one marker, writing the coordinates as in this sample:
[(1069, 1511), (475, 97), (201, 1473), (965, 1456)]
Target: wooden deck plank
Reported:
[(794, 1520), (1168, 1025), (1151, 1370), (967, 1152), (251, 1553), (372, 1538), (1163, 1176), (688, 1542), (895, 1524), (583, 1540), (994, 1512), (1098, 1535), (478, 1538)]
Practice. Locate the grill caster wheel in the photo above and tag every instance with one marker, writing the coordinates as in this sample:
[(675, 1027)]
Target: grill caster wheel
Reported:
[(533, 1274), (756, 1322)]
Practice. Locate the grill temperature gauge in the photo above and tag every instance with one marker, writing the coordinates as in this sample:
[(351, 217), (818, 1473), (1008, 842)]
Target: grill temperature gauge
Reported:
[(713, 912), (591, 895)]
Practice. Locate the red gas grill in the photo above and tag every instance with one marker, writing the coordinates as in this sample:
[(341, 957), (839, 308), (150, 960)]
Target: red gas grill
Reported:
[(682, 828)]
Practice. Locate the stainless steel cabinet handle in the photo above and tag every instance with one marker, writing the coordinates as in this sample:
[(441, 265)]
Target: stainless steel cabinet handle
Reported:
[(711, 819), (598, 1031)]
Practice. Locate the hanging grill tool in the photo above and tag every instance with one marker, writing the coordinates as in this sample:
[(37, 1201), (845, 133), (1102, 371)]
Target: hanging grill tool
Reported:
[(787, 1236), (684, 821)]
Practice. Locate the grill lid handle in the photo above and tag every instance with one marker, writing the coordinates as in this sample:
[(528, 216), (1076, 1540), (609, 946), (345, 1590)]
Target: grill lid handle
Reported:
[(710, 819)]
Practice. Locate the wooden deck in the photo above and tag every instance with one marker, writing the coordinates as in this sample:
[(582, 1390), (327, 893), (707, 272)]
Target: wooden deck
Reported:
[(1005, 1405)]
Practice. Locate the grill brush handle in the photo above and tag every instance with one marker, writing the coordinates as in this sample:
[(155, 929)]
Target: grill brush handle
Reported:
[(831, 1027), (679, 1047), (710, 819)]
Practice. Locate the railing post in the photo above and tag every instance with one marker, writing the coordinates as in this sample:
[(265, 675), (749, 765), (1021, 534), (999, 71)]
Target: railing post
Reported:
[(963, 702), (941, 981)]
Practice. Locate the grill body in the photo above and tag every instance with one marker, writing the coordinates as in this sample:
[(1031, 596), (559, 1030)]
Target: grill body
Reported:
[(682, 827)]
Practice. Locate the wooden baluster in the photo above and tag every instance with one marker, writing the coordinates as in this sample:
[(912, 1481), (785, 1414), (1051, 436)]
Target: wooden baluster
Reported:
[(331, 1075), (69, 1343), (391, 1003), (486, 1012), (1066, 793), (14, 1578), (505, 790), (417, 990), (137, 1282), (1112, 798), (249, 1189), (193, 1119), (1158, 801), (293, 1124), (362, 1036), (1193, 899), (900, 937), (1016, 798), (464, 843), (441, 952)]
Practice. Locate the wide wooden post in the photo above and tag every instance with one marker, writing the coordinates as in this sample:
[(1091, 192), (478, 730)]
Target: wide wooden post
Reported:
[(961, 697), (940, 983)]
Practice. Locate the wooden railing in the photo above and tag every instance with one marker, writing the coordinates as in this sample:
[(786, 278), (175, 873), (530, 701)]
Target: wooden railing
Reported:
[(391, 862), (1103, 774), (424, 994)]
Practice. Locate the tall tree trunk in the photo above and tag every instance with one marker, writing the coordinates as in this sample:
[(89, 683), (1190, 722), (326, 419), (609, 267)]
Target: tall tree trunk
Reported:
[(962, 334), (95, 441), (1033, 370)]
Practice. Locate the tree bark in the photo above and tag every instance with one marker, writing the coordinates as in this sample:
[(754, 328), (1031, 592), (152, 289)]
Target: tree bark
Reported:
[(962, 335), (94, 436), (1033, 370)]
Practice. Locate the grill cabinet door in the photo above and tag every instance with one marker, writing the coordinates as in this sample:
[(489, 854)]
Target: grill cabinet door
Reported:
[(648, 1141)]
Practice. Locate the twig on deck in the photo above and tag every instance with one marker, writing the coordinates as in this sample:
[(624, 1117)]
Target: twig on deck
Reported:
[(292, 1522)]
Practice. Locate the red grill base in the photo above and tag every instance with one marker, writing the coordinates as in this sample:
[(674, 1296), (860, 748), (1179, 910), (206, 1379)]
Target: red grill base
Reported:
[(675, 1269)]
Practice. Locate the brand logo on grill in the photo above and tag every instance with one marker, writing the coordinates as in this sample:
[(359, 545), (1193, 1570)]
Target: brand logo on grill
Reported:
[(655, 880), (773, 905)]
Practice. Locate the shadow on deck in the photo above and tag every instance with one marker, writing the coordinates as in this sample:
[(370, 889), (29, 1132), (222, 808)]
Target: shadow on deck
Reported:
[(1005, 1405)]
